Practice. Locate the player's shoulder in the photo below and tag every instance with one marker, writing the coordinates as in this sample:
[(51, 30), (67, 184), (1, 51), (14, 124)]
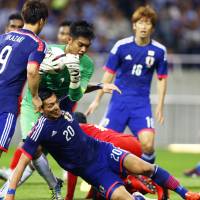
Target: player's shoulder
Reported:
[(87, 60), (57, 48), (122, 42), (32, 39), (158, 45)]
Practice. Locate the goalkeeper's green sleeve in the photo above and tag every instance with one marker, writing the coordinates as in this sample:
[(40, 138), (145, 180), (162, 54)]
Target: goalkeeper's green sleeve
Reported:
[(75, 94)]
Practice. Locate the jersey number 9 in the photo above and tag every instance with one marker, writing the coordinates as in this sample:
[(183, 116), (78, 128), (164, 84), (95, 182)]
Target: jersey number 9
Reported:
[(4, 55)]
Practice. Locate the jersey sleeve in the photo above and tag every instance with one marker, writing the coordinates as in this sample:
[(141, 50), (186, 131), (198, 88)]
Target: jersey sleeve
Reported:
[(162, 65), (86, 73), (38, 53), (34, 139), (112, 63)]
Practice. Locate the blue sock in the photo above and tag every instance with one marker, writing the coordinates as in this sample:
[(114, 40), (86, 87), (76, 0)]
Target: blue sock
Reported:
[(198, 167), (150, 158), (164, 179)]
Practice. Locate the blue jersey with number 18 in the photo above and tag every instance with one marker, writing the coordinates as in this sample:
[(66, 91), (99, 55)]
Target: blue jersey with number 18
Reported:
[(17, 49), (134, 66)]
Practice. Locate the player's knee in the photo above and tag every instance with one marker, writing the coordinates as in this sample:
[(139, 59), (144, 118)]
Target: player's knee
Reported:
[(120, 193), (147, 169), (147, 147), (38, 152)]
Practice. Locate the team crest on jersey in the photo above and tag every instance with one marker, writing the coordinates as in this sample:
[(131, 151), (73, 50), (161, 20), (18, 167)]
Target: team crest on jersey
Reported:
[(150, 58), (102, 190), (67, 116)]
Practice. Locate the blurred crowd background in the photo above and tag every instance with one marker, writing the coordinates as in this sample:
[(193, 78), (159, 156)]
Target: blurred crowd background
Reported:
[(178, 28), (178, 20)]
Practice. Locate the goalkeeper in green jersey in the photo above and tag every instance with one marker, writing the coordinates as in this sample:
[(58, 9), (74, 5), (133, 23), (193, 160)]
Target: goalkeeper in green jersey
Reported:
[(66, 70)]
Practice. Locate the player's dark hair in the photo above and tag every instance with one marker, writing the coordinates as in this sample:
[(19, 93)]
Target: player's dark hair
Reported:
[(82, 29), (15, 16), (33, 11), (65, 23), (45, 93), (80, 117)]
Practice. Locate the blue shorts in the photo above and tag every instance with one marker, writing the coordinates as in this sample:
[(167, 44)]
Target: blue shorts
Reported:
[(7, 129), (136, 115), (104, 173)]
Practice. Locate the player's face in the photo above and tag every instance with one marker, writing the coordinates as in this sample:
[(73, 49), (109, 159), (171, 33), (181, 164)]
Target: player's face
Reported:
[(51, 107), (143, 28), (63, 35), (79, 45), (14, 24)]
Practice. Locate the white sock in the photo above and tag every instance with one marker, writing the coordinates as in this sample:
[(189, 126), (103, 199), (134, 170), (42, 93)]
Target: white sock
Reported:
[(42, 166), (26, 174)]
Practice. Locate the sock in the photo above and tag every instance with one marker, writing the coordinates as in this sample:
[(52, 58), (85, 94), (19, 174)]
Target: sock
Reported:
[(42, 166), (150, 158), (15, 158), (198, 167), (71, 185), (164, 179), (26, 174)]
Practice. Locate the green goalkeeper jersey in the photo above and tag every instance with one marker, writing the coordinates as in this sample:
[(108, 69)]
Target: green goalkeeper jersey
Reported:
[(59, 82)]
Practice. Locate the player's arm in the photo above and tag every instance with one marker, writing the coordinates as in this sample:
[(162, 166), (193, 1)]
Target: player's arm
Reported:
[(106, 87), (33, 78), (162, 73), (161, 88), (29, 149), (111, 67), (16, 176), (107, 79)]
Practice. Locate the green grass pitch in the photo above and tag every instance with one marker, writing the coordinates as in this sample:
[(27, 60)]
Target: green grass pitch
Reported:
[(35, 188)]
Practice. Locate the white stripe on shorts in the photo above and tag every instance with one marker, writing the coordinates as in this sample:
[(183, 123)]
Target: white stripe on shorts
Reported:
[(7, 128)]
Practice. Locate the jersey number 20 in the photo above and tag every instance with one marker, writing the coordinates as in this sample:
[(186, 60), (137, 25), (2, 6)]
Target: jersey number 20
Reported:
[(4, 55)]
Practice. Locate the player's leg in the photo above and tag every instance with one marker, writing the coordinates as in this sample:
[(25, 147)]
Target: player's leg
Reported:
[(120, 193), (194, 172), (7, 128), (71, 185), (141, 124), (135, 165), (116, 117), (129, 143)]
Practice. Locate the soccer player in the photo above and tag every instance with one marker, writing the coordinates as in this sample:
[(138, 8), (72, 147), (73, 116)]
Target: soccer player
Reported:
[(61, 135), (15, 21), (64, 32), (81, 35), (133, 61), (194, 172), (124, 141), (21, 53)]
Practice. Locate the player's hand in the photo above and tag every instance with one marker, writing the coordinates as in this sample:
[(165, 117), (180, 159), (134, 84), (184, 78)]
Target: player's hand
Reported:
[(37, 102), (52, 63), (110, 87), (93, 106), (159, 114), (72, 62)]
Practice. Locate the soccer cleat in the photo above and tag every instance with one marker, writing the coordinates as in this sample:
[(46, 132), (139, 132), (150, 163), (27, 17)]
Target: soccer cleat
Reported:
[(5, 173), (56, 192), (192, 196), (192, 173)]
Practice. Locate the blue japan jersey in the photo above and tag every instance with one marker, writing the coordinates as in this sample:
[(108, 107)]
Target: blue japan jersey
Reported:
[(65, 141), (134, 66), (17, 49)]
